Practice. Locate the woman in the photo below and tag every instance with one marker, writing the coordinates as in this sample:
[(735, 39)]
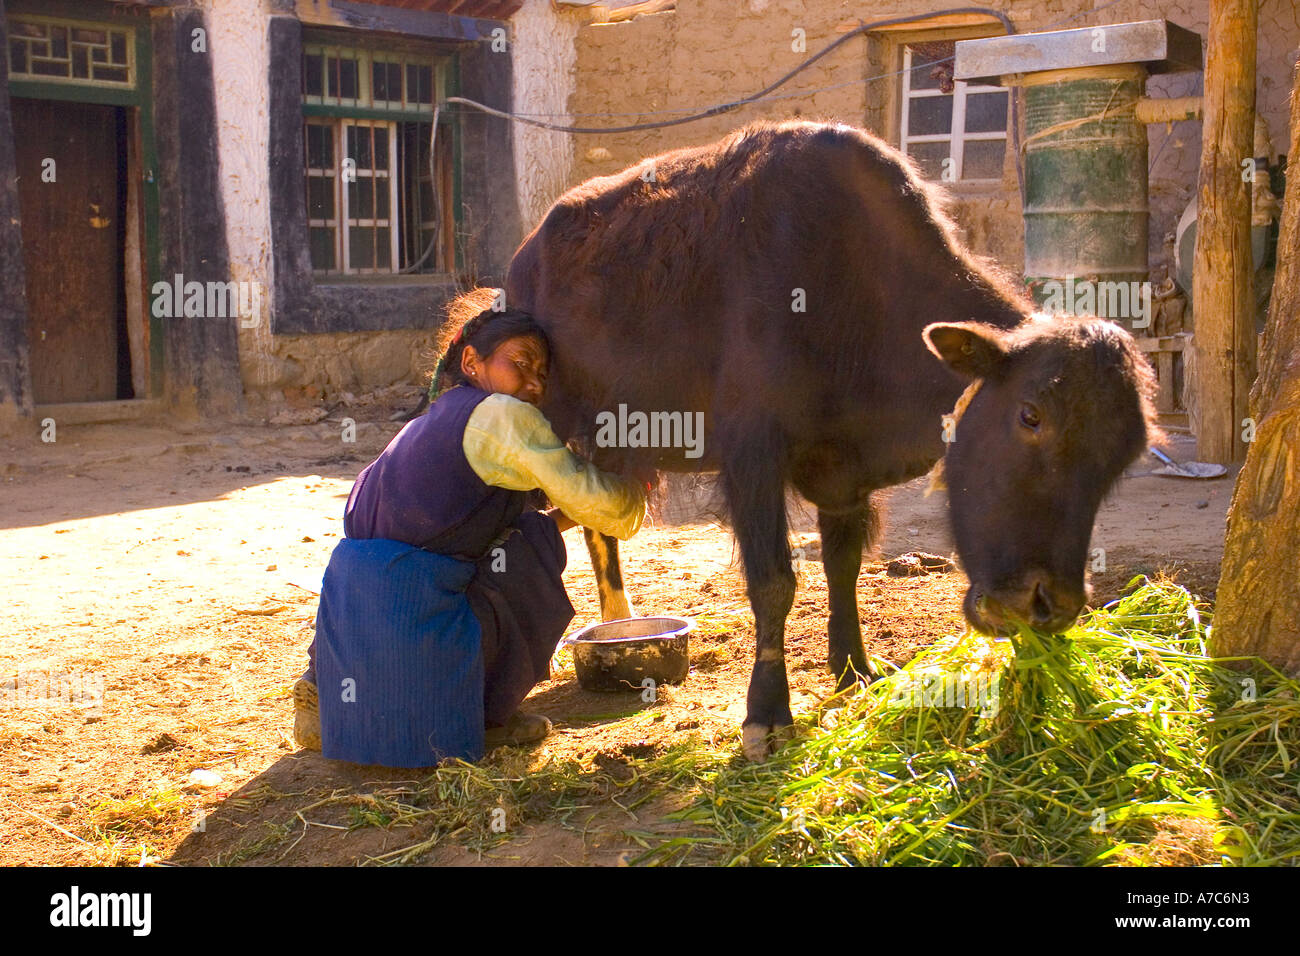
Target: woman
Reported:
[(441, 608)]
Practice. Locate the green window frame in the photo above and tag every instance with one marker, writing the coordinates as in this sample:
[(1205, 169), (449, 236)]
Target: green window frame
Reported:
[(77, 52), (374, 205)]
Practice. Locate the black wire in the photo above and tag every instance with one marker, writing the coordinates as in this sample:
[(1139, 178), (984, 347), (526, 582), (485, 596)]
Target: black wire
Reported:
[(753, 97)]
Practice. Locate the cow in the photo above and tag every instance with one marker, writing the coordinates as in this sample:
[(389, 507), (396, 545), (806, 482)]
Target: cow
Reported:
[(801, 286)]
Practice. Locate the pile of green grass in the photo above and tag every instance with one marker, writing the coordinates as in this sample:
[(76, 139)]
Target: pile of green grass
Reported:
[(1118, 742)]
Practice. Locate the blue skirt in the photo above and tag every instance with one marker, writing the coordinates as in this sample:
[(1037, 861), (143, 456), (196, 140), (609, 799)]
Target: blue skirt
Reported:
[(399, 665), (416, 652)]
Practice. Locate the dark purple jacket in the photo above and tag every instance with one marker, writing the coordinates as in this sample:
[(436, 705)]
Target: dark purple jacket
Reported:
[(422, 490)]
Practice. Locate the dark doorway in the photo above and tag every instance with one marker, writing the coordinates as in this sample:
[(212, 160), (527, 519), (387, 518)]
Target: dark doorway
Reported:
[(74, 226)]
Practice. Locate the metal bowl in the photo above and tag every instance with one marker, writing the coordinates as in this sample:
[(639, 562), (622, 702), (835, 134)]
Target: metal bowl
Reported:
[(620, 655)]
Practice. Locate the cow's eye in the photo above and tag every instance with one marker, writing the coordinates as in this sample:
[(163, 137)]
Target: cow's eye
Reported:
[(1029, 417)]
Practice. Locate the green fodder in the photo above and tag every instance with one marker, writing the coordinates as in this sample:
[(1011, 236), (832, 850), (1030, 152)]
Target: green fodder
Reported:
[(1118, 742)]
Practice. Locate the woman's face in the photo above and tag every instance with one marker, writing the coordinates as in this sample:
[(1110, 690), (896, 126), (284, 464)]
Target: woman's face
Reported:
[(517, 367)]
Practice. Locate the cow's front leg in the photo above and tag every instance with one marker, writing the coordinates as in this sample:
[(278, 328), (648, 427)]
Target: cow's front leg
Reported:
[(756, 498), (843, 538), (614, 605)]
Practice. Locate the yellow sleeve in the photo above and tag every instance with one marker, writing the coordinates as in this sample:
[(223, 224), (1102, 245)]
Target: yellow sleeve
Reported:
[(510, 444)]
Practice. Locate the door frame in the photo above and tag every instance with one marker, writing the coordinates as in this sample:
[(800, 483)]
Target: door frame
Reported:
[(140, 98)]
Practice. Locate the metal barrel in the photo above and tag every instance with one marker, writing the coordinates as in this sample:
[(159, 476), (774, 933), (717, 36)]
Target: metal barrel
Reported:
[(1086, 214)]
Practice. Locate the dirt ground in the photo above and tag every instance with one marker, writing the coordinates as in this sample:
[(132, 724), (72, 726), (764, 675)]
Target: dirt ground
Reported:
[(178, 564)]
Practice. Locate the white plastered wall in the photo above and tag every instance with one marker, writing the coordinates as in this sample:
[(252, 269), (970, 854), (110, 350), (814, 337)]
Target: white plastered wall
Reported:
[(238, 45), (545, 76)]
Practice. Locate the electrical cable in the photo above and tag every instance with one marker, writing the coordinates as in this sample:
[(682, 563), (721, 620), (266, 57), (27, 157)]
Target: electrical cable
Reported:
[(761, 95)]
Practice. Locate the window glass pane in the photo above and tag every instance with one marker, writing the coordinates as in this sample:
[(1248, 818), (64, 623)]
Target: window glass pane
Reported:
[(59, 44), (358, 143), (361, 248), (986, 112), (930, 157), (348, 79), (932, 66), (381, 198), (419, 83), (381, 148), (379, 81), (313, 74), (361, 203), (17, 57), (80, 64), (982, 159), (332, 75), (394, 81), (384, 252), (117, 74), (929, 115), (412, 83), (320, 197), (119, 49), (322, 248), (320, 146)]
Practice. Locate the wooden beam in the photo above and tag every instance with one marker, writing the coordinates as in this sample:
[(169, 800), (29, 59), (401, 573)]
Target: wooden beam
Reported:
[(1223, 270), (1258, 609), (433, 25)]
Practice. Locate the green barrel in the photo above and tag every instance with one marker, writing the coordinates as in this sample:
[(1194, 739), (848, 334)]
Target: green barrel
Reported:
[(1086, 213)]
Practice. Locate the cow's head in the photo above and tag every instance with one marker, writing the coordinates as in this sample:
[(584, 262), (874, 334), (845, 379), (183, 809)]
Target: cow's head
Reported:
[(1063, 405)]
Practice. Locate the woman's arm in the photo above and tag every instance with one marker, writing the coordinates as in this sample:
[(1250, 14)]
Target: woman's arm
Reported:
[(562, 521), (510, 444)]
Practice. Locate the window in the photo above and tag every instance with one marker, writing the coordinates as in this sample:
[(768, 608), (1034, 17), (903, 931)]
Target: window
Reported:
[(954, 131), (375, 204), (60, 51)]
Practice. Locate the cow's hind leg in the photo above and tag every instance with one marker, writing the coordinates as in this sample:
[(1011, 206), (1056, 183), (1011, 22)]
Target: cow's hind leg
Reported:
[(755, 491), (614, 605), (843, 538)]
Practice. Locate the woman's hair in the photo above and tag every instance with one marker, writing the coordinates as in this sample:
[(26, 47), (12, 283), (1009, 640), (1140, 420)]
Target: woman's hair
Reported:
[(472, 321)]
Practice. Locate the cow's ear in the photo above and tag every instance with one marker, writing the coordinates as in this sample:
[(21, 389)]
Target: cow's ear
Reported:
[(972, 349)]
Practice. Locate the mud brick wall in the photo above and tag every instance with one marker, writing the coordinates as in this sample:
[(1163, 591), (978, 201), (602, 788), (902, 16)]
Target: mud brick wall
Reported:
[(711, 51)]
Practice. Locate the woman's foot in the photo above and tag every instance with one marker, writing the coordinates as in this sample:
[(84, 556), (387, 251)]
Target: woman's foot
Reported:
[(519, 730), (306, 715)]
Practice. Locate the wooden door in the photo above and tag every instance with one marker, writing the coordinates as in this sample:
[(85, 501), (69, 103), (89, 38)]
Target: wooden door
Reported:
[(72, 248)]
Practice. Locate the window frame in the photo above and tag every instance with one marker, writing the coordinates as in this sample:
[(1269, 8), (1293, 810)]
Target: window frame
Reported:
[(482, 223), (129, 34), (957, 135), (338, 112), (342, 220)]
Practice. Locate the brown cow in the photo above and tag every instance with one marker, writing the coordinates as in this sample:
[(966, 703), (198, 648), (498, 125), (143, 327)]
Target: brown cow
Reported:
[(799, 284)]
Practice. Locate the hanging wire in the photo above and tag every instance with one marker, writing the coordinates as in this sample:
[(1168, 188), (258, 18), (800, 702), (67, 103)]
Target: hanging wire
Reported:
[(753, 97), (763, 95)]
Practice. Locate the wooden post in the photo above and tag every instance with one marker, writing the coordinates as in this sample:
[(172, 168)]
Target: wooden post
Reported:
[(1258, 608), (1223, 281)]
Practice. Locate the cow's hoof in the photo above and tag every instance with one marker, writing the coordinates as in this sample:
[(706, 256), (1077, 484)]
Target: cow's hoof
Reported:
[(853, 676), (849, 680), (760, 741)]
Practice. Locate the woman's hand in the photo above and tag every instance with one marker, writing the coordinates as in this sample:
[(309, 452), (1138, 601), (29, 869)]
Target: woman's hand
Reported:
[(562, 521), (643, 474)]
